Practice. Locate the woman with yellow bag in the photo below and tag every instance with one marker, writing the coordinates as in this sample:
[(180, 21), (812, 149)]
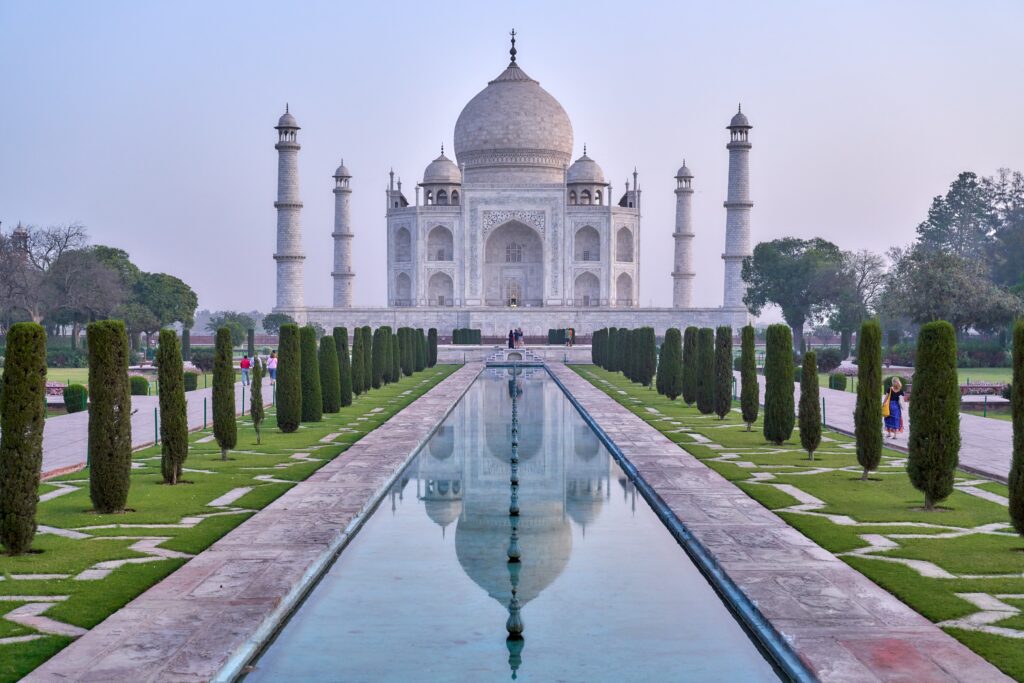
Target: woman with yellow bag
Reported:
[(892, 410)]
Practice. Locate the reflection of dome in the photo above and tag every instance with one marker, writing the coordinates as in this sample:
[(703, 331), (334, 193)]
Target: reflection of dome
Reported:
[(442, 443), (583, 500), (586, 444), (443, 512), (585, 170), (442, 171)]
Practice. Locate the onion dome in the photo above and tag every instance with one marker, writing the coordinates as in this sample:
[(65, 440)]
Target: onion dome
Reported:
[(342, 171), (287, 120), (442, 171), (684, 172), (739, 120), (585, 171)]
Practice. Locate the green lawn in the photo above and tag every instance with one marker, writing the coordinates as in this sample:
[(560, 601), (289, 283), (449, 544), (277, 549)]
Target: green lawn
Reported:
[(151, 502), (969, 539)]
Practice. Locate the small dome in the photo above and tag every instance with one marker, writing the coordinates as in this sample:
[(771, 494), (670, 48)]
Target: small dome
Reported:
[(287, 120), (585, 170), (442, 171), (739, 120), (342, 171), (684, 172)]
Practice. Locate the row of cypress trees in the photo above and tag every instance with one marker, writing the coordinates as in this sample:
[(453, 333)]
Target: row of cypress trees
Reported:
[(634, 353)]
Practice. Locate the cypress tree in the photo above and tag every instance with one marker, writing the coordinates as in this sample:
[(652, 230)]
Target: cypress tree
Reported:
[(224, 428), (367, 358), (690, 365), (344, 367), (778, 390), (421, 350), (251, 342), (611, 350), (186, 344), (749, 390), (289, 378), (934, 442), (405, 349), (358, 381), (256, 409), (396, 358), (312, 392), (110, 423), (173, 409), (330, 385), (867, 415), (22, 416), (432, 347), (648, 355), (810, 406), (1016, 480), (595, 347), (622, 351), (385, 340), (377, 362), (672, 362), (706, 370), (723, 371)]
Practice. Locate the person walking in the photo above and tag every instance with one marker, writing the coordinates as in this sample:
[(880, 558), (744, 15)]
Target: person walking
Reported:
[(245, 365), (892, 409), (511, 339), (272, 366)]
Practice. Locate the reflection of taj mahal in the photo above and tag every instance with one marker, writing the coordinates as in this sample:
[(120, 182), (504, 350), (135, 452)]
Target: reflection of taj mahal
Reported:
[(512, 232)]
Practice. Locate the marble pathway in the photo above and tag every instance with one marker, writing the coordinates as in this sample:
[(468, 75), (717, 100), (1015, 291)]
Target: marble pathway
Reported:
[(844, 627), (207, 618)]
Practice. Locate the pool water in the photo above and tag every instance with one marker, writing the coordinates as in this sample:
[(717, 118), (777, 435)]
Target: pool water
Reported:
[(423, 591)]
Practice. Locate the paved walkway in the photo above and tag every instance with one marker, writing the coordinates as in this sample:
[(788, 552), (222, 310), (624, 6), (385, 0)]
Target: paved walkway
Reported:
[(207, 619), (65, 438), (986, 444), (841, 625)]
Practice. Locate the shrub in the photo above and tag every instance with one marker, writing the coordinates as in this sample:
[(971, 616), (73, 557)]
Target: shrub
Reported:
[(901, 354), (706, 370), (64, 357), (1016, 480), (690, 365), (829, 359), (976, 353), (289, 378), (1007, 391), (723, 371), (431, 347), (778, 394), (225, 431), (76, 398), (110, 422), (330, 385), (203, 359), (344, 366), (312, 392), (837, 381), (256, 409), (934, 443), (186, 347), (810, 406), (750, 392), (867, 416), (191, 381), (139, 385), (173, 409), (22, 416)]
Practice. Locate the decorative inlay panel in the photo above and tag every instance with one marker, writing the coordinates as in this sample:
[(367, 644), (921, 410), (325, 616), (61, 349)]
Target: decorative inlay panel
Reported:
[(534, 219)]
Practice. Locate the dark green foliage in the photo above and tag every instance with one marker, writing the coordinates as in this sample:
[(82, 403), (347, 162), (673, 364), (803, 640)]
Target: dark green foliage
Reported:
[(464, 335), (256, 408), (377, 362), (396, 359), (330, 385), (611, 358), (628, 358), (76, 398), (690, 365), (723, 371), (778, 374), (934, 442), (648, 357), (359, 383), (798, 370), (202, 358), (289, 378), (186, 345), (749, 389), (224, 428), (670, 369), (110, 422), (173, 409), (191, 381), (1016, 480), (837, 381), (405, 346), (344, 366), (622, 350), (312, 392), (420, 357), (251, 342), (64, 357), (596, 342), (867, 416), (706, 370), (139, 385), (385, 341), (367, 358), (829, 359), (431, 347), (810, 406), (22, 416)]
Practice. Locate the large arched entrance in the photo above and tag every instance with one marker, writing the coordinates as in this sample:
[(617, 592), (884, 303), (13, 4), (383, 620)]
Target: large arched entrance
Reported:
[(514, 266), (440, 290), (587, 290), (624, 290)]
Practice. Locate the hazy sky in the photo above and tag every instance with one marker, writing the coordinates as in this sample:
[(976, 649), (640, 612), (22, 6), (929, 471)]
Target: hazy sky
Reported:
[(152, 122)]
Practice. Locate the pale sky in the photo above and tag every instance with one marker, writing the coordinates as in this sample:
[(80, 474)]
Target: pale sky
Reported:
[(152, 123)]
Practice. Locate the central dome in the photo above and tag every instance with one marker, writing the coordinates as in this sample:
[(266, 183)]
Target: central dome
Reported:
[(513, 130)]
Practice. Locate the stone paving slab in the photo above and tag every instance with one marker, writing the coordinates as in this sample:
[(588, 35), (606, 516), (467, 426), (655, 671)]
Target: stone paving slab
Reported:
[(218, 608), (844, 627)]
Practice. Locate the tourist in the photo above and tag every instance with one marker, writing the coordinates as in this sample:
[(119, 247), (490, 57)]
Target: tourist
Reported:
[(894, 414), (272, 366), (245, 365), (511, 339)]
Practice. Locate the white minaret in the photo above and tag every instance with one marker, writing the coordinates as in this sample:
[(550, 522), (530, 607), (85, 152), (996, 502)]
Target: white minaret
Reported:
[(682, 273), (737, 211), (289, 254), (342, 235)]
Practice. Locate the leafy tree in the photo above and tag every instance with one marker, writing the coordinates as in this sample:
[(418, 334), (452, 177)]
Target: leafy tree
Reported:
[(359, 384), (256, 408), (138, 319), (723, 371), (706, 370), (1007, 249), (78, 288), (330, 384), (810, 406), (799, 276), (344, 366), (934, 442), (237, 324), (672, 364), (961, 222), (110, 422), (749, 389), (170, 299), (778, 375), (690, 365), (225, 431), (867, 415), (272, 322), (22, 416), (289, 379), (860, 282), (431, 347), (173, 409), (312, 392), (1016, 479)]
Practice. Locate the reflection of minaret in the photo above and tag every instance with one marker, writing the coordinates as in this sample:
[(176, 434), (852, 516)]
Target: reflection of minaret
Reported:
[(440, 470), (514, 624)]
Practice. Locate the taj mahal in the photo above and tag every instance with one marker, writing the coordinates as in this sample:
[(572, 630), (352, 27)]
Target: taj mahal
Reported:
[(513, 232)]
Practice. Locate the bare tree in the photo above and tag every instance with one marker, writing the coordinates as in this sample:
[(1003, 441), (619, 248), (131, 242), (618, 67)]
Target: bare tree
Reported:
[(82, 288)]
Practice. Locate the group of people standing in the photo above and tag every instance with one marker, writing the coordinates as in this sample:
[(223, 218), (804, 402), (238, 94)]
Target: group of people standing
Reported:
[(270, 364), (515, 338)]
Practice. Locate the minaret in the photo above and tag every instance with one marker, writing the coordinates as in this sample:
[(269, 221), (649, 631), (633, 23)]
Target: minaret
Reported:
[(737, 211), (289, 254), (342, 235), (682, 273)]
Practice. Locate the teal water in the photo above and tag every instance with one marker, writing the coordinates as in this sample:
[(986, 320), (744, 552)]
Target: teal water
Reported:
[(422, 593)]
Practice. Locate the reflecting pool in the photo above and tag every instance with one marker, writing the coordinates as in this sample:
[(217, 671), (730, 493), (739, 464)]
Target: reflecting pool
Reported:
[(426, 592)]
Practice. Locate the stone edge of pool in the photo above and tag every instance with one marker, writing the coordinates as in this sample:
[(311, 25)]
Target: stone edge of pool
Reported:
[(207, 620), (840, 625)]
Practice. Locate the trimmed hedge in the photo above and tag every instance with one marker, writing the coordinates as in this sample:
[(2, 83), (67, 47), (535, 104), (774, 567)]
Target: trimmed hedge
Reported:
[(778, 398), (225, 431), (829, 359), (191, 381), (837, 381), (330, 384), (749, 389), (76, 398), (173, 408), (312, 392), (289, 378), (464, 335), (810, 406), (110, 422), (139, 385), (690, 365)]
